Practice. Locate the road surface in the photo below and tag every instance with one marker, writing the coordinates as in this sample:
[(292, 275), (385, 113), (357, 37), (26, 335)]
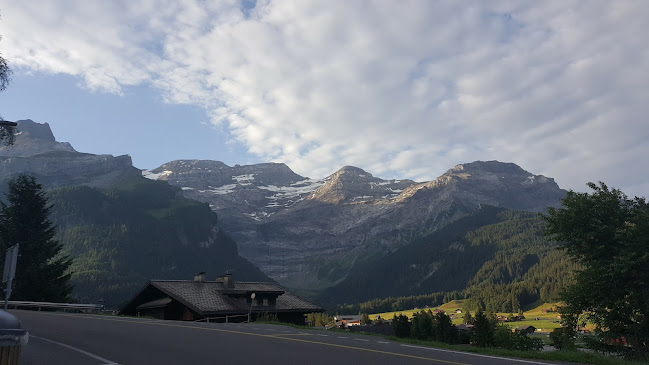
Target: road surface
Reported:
[(80, 339)]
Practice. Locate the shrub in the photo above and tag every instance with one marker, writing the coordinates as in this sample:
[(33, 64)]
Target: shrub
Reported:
[(563, 338), (267, 317), (505, 338)]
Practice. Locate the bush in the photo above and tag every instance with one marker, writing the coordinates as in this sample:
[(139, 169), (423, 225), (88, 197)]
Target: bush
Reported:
[(505, 338), (266, 317), (563, 338)]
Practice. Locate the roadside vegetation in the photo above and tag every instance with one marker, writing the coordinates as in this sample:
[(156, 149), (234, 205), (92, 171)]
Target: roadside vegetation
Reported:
[(602, 239)]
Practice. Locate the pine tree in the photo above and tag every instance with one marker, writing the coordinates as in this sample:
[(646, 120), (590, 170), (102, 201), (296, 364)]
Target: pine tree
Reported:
[(482, 333), (41, 272), (468, 318)]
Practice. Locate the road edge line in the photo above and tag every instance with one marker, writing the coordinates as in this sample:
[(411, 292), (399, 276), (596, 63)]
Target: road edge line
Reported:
[(96, 357)]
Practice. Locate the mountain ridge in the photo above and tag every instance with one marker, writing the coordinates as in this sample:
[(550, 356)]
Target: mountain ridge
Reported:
[(120, 228), (305, 233), (308, 232)]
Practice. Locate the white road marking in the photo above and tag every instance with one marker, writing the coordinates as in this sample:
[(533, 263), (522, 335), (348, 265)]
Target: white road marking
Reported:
[(362, 339), (105, 361), (479, 355), (269, 329), (286, 331), (341, 337), (323, 335), (382, 342)]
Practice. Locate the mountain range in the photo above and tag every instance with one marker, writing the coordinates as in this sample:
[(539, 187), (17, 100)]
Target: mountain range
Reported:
[(309, 233), (120, 229), (322, 236)]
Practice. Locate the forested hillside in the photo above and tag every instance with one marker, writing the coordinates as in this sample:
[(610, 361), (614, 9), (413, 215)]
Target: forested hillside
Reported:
[(139, 230), (499, 259)]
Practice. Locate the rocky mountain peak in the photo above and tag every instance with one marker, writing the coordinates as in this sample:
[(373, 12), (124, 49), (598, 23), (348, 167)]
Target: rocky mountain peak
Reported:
[(350, 174), (489, 166), (36, 130), (354, 185), (33, 139), (53, 163), (495, 172), (207, 174)]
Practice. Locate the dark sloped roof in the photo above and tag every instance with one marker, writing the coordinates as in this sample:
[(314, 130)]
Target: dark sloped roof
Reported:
[(208, 297), (158, 303)]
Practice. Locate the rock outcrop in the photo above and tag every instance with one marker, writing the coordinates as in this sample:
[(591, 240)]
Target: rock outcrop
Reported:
[(53, 163)]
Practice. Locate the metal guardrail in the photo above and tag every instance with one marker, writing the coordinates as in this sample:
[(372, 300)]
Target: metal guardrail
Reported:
[(26, 304), (216, 319)]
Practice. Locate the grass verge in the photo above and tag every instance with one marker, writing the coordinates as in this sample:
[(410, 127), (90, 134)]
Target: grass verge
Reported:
[(579, 357)]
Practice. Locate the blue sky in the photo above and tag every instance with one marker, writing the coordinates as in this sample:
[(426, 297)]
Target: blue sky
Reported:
[(138, 123), (401, 89)]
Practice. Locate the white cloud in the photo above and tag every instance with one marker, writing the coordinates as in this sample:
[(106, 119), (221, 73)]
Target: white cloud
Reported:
[(402, 89)]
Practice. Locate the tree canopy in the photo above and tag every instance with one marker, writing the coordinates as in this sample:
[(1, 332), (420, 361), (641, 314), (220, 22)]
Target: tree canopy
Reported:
[(41, 272), (5, 72), (607, 233), (7, 132)]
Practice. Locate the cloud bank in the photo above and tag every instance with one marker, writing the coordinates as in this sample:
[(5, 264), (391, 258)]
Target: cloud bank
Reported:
[(401, 89)]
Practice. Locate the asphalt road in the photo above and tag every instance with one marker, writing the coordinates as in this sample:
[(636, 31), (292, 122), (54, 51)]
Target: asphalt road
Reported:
[(78, 339)]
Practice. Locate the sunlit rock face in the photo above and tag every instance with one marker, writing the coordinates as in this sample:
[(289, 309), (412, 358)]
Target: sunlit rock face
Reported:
[(308, 233), (53, 163)]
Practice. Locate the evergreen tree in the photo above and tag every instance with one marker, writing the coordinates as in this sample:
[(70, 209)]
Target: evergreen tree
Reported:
[(41, 272), (422, 326), (401, 325), (482, 333), (444, 329), (468, 318)]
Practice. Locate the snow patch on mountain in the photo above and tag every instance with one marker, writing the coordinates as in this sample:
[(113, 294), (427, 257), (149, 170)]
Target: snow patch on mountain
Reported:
[(221, 190), (153, 176), (244, 178)]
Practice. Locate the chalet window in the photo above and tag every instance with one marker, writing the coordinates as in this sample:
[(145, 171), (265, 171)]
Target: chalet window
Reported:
[(265, 301)]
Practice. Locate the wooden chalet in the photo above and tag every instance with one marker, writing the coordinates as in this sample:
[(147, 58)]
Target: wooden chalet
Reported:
[(222, 300)]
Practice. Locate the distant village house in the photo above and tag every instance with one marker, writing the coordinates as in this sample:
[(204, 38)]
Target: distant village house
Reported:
[(345, 321)]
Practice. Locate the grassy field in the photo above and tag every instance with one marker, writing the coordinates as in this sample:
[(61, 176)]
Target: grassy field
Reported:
[(562, 356), (546, 322)]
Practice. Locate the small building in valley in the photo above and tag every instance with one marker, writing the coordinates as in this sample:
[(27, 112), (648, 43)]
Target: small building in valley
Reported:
[(222, 300), (345, 321), (526, 329)]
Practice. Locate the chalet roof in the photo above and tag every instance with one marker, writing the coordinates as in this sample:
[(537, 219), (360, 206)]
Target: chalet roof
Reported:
[(155, 303), (210, 297)]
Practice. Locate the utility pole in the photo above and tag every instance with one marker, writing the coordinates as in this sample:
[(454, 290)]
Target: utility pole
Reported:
[(11, 258)]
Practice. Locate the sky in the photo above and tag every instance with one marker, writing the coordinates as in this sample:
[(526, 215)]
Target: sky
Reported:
[(401, 89)]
